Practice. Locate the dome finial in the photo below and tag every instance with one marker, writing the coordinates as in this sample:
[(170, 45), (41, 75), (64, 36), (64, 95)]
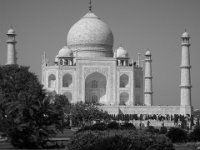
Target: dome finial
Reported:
[(90, 5)]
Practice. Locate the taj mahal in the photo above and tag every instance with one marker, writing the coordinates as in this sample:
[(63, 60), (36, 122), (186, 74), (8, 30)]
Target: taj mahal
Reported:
[(88, 69)]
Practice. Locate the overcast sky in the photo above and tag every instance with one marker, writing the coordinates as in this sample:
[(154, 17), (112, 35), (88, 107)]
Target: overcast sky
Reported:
[(42, 25)]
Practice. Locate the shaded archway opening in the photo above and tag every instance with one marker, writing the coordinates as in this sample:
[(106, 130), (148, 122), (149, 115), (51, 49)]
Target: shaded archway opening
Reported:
[(52, 81), (124, 97), (124, 79), (67, 80), (95, 88)]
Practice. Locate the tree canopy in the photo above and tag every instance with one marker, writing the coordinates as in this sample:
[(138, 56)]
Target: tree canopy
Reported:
[(27, 116), (83, 114)]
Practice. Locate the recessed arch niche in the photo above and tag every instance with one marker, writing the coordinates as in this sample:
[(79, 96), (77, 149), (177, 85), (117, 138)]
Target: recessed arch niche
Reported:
[(124, 97), (124, 79), (95, 88), (67, 80), (51, 81)]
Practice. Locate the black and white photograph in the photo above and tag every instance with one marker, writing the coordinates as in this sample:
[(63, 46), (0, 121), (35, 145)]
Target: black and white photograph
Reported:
[(100, 74)]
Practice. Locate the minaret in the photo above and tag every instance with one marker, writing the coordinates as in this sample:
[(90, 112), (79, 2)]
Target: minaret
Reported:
[(11, 51), (185, 87), (148, 92), (138, 61)]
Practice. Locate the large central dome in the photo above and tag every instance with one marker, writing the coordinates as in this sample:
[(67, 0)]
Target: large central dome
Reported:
[(90, 37)]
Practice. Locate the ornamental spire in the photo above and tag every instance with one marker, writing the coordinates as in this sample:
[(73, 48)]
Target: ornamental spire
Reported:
[(90, 5)]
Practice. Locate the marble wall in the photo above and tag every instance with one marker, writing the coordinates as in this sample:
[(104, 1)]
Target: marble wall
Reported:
[(162, 110)]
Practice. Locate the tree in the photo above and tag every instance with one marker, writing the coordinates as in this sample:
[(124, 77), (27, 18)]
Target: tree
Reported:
[(19, 90), (195, 134), (28, 117), (151, 129), (113, 125), (163, 130), (177, 135), (83, 114)]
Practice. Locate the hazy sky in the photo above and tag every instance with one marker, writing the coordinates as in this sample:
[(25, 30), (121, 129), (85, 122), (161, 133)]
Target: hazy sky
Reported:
[(42, 25)]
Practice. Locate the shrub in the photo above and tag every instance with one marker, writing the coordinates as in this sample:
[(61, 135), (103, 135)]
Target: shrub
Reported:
[(127, 125), (119, 140), (163, 130), (99, 126), (84, 140), (85, 128), (161, 143), (151, 129), (177, 135), (195, 134), (85, 113), (113, 125), (113, 142)]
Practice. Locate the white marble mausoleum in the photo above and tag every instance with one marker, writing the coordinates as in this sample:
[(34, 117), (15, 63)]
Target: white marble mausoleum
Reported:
[(88, 69)]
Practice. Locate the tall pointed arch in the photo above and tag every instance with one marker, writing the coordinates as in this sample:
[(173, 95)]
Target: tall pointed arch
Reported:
[(67, 80)]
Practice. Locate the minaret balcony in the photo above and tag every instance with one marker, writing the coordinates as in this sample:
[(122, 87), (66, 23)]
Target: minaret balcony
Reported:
[(148, 60), (186, 66), (185, 86), (148, 92), (11, 41), (185, 44)]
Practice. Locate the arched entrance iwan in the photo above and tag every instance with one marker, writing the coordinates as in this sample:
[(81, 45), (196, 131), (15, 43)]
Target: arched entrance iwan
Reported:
[(95, 88)]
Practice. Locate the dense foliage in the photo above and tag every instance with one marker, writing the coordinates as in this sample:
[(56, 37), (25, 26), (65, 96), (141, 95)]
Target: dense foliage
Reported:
[(195, 134), (27, 116), (151, 129), (119, 140), (163, 130), (127, 126), (177, 135), (110, 126), (113, 125), (85, 114)]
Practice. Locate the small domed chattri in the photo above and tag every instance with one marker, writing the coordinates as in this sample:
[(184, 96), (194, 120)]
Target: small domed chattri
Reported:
[(148, 53), (11, 31), (185, 35), (65, 52), (121, 52)]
